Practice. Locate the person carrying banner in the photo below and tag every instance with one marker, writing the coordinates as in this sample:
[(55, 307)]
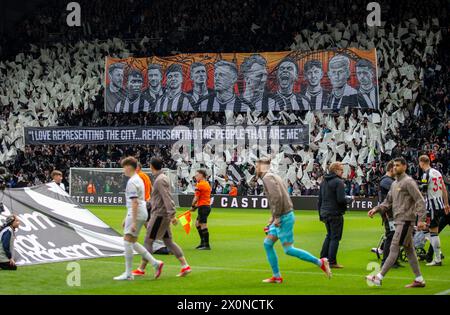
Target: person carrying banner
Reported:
[(57, 177), (135, 219), (281, 224), (7, 236), (162, 215), (202, 202)]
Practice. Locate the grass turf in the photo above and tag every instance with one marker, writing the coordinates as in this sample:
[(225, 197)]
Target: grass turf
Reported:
[(237, 263)]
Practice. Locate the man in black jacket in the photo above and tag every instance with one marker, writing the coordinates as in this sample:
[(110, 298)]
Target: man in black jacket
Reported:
[(332, 206)]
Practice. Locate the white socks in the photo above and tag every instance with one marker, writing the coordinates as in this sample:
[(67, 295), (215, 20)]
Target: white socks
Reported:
[(141, 250), (435, 241), (419, 279), (128, 257), (380, 276)]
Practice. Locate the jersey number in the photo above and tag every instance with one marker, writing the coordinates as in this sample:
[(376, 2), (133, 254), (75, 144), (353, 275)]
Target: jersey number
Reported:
[(437, 183)]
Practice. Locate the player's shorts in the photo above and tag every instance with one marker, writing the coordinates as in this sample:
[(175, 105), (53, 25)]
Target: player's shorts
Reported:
[(434, 216), (203, 213), (158, 228), (285, 232), (127, 226)]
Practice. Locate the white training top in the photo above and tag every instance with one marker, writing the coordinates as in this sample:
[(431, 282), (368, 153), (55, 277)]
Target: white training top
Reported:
[(135, 189)]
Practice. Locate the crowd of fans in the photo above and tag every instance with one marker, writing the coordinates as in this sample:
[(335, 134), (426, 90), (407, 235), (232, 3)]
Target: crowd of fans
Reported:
[(167, 27)]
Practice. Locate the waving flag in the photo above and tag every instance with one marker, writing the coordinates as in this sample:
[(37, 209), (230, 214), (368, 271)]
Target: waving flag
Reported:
[(185, 220)]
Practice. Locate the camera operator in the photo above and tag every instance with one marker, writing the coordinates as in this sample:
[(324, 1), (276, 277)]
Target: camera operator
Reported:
[(7, 236)]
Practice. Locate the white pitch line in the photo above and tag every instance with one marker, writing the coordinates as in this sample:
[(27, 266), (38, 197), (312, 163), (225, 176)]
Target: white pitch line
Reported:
[(446, 292), (288, 271)]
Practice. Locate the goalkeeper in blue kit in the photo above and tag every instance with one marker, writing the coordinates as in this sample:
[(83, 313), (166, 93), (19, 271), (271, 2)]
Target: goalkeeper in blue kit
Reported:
[(281, 224)]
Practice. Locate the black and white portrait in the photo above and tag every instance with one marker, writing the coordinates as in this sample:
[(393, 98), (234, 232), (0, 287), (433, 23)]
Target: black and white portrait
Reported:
[(199, 77), (254, 72), (314, 94), (134, 102), (287, 75), (367, 91), (174, 99), (114, 92), (154, 91), (224, 98), (342, 94)]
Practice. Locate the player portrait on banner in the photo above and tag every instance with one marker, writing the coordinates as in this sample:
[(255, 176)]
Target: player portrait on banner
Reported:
[(342, 94), (174, 99), (285, 98), (199, 76), (154, 91), (325, 80), (314, 94), (224, 97), (367, 91), (254, 72), (114, 92), (134, 101)]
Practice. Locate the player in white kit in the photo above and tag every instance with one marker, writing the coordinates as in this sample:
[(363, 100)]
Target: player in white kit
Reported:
[(436, 203), (135, 219)]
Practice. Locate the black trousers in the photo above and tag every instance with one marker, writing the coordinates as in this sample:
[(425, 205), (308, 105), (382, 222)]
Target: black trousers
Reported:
[(335, 226), (7, 266)]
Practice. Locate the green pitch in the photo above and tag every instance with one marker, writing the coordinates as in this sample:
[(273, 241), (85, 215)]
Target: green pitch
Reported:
[(237, 263)]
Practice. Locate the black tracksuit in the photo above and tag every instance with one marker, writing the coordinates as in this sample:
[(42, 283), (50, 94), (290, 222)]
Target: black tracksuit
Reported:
[(332, 206)]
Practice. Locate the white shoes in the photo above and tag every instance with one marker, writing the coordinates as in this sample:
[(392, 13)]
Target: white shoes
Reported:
[(377, 250), (434, 263), (123, 277), (373, 280)]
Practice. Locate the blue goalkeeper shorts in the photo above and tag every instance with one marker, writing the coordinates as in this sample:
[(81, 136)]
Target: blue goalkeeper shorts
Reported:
[(284, 232)]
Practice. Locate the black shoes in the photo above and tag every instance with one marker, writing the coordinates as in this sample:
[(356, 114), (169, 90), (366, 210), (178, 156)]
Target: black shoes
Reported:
[(203, 247)]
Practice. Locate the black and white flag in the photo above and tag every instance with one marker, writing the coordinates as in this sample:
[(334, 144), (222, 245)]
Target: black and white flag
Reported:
[(55, 228)]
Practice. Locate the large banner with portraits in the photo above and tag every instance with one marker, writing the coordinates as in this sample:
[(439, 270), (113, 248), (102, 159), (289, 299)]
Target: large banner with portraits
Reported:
[(327, 80)]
